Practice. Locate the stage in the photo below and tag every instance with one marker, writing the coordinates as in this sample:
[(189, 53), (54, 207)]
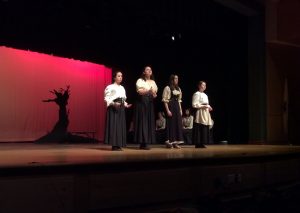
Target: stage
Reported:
[(26, 155), (91, 178)]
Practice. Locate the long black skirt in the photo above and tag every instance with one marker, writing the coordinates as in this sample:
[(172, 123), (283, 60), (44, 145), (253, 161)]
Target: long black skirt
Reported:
[(144, 121), (174, 123), (115, 131), (200, 134)]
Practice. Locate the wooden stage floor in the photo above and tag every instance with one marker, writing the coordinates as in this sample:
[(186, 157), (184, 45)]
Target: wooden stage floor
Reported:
[(92, 178), (28, 154)]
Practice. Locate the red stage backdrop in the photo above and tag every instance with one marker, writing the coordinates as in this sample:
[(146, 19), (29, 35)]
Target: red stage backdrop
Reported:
[(25, 80)]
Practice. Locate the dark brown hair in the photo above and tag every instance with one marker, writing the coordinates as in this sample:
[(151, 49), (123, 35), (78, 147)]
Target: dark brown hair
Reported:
[(143, 74), (171, 82)]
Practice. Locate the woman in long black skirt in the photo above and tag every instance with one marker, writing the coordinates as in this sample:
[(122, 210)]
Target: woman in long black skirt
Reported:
[(144, 125), (172, 101), (202, 119), (115, 96)]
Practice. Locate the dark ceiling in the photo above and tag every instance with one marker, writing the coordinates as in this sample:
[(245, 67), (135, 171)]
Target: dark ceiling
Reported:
[(93, 24), (94, 29)]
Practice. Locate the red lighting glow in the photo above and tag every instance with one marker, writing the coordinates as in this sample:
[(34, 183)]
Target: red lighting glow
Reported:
[(26, 79)]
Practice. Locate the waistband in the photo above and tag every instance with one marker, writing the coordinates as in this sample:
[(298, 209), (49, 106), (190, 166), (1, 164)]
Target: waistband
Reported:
[(119, 100)]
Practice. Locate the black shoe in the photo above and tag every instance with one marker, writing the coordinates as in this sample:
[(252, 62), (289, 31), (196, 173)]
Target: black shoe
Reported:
[(200, 146), (116, 148)]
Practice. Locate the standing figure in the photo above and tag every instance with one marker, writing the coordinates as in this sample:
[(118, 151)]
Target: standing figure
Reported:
[(115, 96), (160, 121), (187, 122), (202, 119), (144, 124), (171, 97), (160, 128)]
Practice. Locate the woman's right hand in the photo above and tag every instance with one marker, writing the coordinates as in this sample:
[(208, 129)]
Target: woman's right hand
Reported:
[(152, 92), (208, 107), (169, 113), (154, 95)]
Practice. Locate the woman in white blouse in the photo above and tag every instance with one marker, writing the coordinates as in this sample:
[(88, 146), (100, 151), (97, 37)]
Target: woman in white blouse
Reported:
[(144, 124), (202, 119), (187, 122), (161, 121), (171, 97), (115, 98)]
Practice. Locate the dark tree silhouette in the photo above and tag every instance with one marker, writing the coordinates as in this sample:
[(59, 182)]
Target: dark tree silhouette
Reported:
[(60, 131)]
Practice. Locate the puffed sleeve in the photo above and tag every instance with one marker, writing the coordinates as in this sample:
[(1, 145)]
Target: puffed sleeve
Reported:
[(195, 100), (139, 84), (166, 94), (154, 86), (108, 94), (180, 96), (124, 95)]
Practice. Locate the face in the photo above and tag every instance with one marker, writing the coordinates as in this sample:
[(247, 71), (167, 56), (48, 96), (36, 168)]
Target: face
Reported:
[(148, 72), (202, 87), (176, 80), (118, 78), (187, 112)]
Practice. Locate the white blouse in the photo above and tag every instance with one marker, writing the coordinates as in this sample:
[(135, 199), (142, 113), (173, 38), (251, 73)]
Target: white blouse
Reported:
[(202, 115), (199, 98), (112, 92), (187, 122), (166, 96), (142, 84)]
